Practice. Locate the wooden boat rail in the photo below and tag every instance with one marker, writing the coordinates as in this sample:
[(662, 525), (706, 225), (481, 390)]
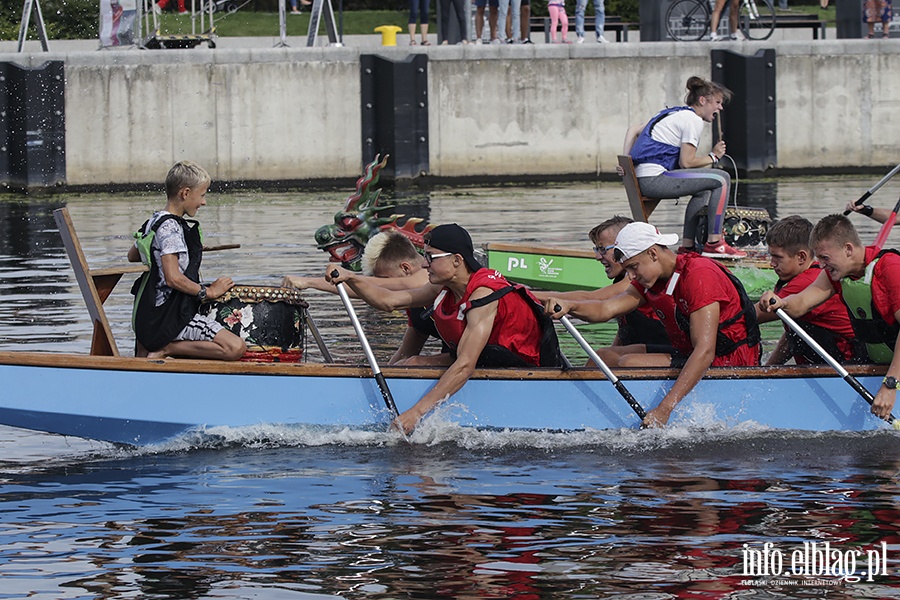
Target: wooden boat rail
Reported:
[(124, 363)]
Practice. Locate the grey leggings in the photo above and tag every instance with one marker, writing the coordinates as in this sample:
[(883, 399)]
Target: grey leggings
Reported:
[(706, 187)]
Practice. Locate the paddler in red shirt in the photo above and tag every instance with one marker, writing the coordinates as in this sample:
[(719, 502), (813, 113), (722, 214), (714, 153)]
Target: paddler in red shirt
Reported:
[(706, 312), (795, 265), (867, 279), (486, 321)]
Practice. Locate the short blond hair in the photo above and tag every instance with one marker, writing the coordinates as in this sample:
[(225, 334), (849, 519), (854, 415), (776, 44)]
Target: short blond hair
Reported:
[(388, 248), (184, 174), (836, 229)]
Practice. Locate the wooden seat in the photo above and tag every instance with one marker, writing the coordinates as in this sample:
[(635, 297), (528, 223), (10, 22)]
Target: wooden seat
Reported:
[(96, 285), (641, 206)]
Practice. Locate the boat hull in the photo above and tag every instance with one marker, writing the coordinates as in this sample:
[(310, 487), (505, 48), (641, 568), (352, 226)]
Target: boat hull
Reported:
[(140, 402)]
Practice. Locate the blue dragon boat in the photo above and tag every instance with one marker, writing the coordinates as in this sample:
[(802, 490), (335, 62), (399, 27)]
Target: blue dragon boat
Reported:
[(94, 397)]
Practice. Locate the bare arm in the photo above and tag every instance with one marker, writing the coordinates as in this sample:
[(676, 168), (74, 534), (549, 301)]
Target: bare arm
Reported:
[(704, 326), (479, 324), (781, 353), (177, 280), (885, 398), (797, 305), (133, 254), (595, 311), (631, 136), (878, 214), (605, 293), (411, 345), (379, 297)]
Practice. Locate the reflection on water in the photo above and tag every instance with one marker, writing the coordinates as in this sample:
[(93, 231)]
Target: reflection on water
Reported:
[(448, 522), (276, 513)]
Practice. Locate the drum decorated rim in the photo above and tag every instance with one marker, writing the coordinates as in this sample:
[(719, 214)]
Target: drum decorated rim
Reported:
[(264, 293)]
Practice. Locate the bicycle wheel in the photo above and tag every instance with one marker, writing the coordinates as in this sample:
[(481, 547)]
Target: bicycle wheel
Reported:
[(757, 19), (687, 20)]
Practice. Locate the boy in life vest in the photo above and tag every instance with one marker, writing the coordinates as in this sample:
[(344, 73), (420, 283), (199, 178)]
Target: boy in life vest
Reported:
[(486, 321), (796, 267), (704, 308), (867, 279), (167, 298), (391, 259), (640, 331)]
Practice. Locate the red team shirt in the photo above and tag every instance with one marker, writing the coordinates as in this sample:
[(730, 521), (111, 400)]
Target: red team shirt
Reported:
[(701, 282), (831, 314)]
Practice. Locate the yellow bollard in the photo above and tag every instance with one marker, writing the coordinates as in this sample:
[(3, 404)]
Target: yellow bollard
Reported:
[(388, 34)]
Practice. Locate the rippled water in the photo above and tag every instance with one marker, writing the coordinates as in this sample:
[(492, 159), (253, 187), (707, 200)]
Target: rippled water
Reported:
[(282, 512)]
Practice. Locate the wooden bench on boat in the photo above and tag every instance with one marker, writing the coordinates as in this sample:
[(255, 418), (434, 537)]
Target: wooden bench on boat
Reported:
[(96, 284), (641, 206)]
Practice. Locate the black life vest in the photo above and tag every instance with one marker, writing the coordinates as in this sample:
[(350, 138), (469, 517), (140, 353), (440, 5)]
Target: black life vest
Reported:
[(827, 338), (155, 326), (551, 355), (724, 344)]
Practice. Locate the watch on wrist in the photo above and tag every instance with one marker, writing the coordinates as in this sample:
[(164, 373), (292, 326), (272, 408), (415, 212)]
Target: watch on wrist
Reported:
[(714, 158), (890, 383), (867, 210), (201, 295)]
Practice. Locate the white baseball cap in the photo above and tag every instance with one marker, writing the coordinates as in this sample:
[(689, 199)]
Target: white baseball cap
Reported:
[(636, 237)]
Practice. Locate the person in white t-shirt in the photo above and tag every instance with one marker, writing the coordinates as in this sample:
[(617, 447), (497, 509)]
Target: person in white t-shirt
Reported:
[(667, 164)]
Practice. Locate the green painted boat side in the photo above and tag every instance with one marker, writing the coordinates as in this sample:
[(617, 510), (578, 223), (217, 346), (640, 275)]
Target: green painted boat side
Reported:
[(563, 270)]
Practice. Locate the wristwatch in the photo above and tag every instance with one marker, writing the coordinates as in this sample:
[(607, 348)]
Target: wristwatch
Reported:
[(201, 295), (890, 383)]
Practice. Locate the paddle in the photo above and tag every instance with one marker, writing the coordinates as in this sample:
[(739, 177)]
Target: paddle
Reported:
[(874, 188), (834, 364), (617, 383), (326, 355), (376, 371), (886, 228)]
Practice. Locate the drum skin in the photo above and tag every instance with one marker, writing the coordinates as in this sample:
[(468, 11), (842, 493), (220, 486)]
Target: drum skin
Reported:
[(269, 319)]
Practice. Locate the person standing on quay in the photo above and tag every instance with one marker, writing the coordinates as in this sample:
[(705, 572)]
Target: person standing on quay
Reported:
[(599, 19)]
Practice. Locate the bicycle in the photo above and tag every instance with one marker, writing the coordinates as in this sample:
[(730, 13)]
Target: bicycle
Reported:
[(688, 20)]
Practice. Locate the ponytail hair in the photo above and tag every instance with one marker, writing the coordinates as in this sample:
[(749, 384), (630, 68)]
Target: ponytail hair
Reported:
[(697, 88)]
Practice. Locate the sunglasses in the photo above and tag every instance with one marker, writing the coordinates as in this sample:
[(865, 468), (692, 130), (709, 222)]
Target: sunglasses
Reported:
[(429, 257), (603, 249)]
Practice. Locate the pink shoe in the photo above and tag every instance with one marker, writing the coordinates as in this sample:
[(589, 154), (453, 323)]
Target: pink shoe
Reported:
[(721, 249)]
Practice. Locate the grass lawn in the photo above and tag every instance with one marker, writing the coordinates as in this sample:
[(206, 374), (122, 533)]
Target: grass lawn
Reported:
[(248, 23)]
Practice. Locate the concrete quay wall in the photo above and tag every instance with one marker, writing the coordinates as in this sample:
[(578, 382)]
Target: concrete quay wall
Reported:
[(289, 114)]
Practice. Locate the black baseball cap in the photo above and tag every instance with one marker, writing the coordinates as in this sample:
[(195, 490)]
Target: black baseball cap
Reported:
[(455, 239)]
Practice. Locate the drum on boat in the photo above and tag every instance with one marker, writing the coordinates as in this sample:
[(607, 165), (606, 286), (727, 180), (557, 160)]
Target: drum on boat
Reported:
[(270, 320)]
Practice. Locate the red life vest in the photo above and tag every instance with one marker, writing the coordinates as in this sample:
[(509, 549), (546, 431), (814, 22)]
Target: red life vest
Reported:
[(515, 326)]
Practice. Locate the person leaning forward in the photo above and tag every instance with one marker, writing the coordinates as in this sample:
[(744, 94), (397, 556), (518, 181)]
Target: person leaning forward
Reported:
[(706, 312), (868, 281), (486, 321), (640, 331)]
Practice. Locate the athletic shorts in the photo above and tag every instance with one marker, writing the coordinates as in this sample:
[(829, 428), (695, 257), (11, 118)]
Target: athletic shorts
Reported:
[(483, 3), (202, 328)]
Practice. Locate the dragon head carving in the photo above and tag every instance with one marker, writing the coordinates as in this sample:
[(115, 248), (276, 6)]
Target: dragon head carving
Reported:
[(361, 219)]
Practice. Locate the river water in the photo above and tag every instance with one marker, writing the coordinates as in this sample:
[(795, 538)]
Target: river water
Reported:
[(291, 513)]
